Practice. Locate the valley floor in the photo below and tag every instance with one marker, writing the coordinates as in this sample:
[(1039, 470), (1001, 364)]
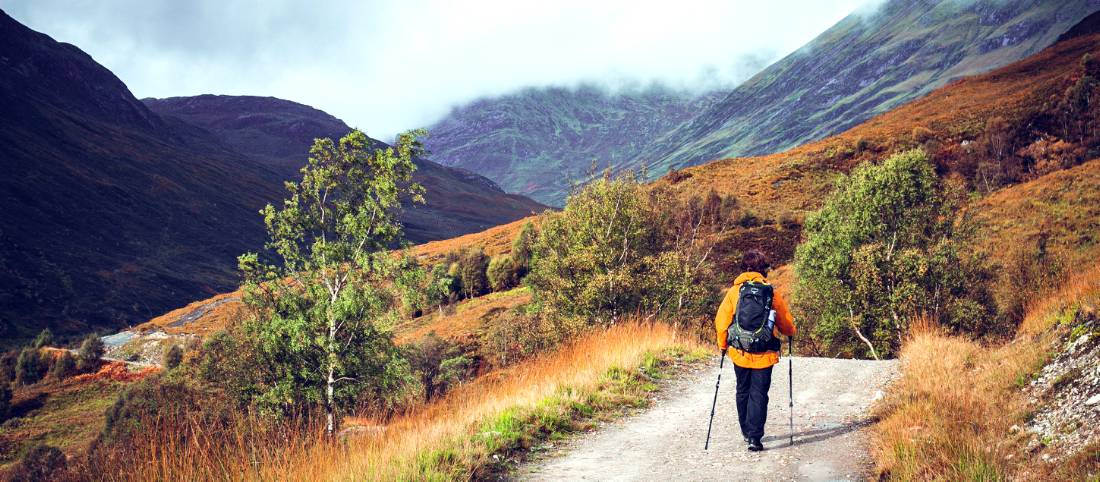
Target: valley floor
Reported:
[(831, 423)]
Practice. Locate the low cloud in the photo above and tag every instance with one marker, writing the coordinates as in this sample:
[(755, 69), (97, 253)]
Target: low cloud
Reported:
[(391, 66)]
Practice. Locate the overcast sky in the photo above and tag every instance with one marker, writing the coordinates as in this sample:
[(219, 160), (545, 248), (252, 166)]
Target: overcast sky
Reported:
[(390, 66)]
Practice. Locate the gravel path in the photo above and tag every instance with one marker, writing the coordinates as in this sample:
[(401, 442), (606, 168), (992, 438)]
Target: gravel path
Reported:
[(665, 442)]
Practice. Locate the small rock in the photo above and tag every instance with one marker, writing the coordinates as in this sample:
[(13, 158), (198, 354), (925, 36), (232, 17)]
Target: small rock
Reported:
[(1093, 400)]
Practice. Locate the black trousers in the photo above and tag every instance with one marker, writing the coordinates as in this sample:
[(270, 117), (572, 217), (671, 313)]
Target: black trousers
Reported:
[(752, 399)]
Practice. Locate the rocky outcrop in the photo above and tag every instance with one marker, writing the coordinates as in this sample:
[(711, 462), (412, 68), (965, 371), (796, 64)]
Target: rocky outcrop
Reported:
[(1065, 396)]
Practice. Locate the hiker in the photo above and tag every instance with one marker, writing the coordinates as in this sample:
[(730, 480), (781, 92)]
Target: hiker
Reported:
[(752, 348)]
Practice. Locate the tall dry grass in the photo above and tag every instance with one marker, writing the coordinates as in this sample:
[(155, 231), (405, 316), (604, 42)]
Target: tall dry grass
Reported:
[(456, 437), (950, 415)]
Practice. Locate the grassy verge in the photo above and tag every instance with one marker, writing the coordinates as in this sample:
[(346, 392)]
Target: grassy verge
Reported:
[(66, 415), (477, 430), (951, 414)]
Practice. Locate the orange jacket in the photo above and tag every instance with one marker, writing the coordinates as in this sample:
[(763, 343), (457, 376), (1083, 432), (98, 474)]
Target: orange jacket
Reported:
[(784, 324)]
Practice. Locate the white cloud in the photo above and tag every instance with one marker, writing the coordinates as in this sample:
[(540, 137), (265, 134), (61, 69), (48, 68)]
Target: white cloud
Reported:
[(390, 66)]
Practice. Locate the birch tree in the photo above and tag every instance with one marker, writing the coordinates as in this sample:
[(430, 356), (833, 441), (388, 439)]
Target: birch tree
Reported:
[(322, 310)]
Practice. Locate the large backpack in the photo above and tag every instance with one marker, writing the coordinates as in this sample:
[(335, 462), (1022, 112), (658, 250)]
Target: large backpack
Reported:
[(751, 329)]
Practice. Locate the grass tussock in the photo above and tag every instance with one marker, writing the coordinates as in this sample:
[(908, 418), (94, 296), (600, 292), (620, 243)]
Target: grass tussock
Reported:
[(470, 433), (950, 415)]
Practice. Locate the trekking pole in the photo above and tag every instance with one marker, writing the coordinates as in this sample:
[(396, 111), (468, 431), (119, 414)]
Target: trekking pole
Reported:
[(714, 404), (790, 383)]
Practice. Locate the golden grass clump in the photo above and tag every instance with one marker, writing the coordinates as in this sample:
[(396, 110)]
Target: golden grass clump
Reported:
[(950, 415), (453, 438)]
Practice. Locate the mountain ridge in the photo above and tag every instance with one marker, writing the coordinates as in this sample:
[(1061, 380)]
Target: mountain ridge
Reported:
[(114, 213)]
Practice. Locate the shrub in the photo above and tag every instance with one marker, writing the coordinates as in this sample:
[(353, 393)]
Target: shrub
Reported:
[(749, 219), (44, 338), (173, 357), (514, 336), (922, 134), (7, 366), (521, 249), (438, 364), (64, 366), (30, 367), (42, 462), (90, 352), (472, 270), (5, 401), (883, 250), (675, 176), (610, 252), (502, 273), (1030, 273), (166, 400)]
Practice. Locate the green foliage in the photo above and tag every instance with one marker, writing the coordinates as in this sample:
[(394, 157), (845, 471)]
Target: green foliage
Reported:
[(171, 402), (443, 286), (617, 249), (42, 462), (7, 366), (521, 249), (884, 250), (514, 336), (64, 366), (44, 338), (91, 350), (173, 357), (5, 401), (322, 314), (30, 367), (503, 273), (438, 364), (473, 266)]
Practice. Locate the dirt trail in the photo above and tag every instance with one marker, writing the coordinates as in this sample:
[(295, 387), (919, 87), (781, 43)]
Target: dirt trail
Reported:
[(665, 442)]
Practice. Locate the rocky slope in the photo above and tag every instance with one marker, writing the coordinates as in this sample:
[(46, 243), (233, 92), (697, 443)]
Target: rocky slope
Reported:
[(537, 142)]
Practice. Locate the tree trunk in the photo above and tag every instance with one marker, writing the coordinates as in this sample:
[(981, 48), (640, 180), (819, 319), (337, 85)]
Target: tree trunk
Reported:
[(330, 381)]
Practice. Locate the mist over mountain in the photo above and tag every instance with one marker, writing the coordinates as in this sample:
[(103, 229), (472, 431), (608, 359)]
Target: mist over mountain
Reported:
[(539, 141), (533, 142)]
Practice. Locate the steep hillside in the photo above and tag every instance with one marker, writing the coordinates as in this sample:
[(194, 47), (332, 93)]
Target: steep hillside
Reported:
[(280, 132), (111, 214), (114, 213), (275, 130), (865, 65), (952, 123), (537, 142), (983, 125)]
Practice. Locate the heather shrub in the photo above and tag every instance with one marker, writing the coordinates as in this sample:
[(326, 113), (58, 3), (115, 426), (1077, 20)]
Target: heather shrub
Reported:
[(42, 462), (173, 357), (29, 367), (44, 338), (438, 364), (64, 366), (90, 352)]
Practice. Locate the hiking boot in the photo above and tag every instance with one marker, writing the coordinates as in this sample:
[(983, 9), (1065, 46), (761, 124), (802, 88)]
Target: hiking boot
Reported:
[(755, 445)]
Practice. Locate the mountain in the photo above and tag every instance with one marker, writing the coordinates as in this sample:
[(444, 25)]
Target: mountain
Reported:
[(1020, 105), (866, 64), (110, 212), (280, 132), (114, 213), (538, 141), (535, 141)]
